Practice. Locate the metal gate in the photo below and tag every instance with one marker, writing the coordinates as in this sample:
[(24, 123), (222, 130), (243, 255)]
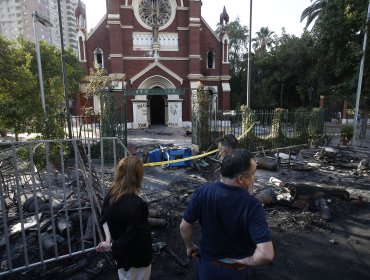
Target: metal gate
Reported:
[(50, 198), (113, 119)]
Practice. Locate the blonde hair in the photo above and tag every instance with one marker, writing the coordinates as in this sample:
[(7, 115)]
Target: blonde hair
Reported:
[(128, 178)]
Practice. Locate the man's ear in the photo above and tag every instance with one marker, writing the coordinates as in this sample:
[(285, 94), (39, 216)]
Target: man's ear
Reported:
[(239, 180)]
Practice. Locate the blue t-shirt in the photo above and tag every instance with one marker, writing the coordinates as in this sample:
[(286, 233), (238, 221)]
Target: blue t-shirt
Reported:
[(232, 221)]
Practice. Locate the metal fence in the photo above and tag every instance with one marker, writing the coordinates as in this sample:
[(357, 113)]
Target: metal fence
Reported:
[(271, 128), (95, 126), (84, 126), (50, 198)]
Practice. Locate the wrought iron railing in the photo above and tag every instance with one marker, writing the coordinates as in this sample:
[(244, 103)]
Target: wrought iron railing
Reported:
[(271, 128)]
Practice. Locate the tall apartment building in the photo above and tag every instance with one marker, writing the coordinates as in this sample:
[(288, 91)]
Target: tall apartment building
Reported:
[(16, 19)]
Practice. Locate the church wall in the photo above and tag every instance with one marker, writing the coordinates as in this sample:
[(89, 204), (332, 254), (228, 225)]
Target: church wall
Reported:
[(194, 40), (100, 38)]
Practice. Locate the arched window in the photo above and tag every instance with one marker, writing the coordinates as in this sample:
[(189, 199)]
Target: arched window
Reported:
[(81, 49), (211, 59), (98, 57)]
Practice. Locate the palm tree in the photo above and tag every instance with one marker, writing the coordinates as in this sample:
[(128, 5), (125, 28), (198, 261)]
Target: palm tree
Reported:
[(264, 40), (313, 11)]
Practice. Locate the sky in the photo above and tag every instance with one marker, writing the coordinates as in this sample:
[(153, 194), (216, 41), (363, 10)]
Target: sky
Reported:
[(273, 14)]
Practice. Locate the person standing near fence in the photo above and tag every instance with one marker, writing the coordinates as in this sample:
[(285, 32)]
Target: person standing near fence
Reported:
[(125, 222), (235, 235), (339, 117), (226, 145)]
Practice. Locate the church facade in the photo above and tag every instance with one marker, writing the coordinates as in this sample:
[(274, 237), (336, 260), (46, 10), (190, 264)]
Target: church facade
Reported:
[(164, 48)]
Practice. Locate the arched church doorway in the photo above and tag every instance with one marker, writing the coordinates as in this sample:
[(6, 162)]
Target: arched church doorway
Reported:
[(157, 109)]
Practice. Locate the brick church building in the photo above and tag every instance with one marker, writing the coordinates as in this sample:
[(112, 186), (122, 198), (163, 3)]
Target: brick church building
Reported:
[(155, 45)]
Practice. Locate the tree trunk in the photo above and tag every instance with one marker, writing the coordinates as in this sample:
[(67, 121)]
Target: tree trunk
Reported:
[(344, 114), (364, 121), (308, 192)]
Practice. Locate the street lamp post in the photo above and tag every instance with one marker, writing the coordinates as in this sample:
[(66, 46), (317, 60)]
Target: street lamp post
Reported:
[(359, 83), (37, 18), (65, 81), (249, 55)]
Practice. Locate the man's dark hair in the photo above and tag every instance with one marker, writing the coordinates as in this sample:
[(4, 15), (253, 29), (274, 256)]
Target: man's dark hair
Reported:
[(236, 163), (229, 140)]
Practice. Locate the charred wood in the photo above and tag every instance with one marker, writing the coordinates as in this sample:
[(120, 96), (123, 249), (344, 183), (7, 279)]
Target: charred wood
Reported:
[(269, 163), (155, 222), (176, 257), (307, 192)]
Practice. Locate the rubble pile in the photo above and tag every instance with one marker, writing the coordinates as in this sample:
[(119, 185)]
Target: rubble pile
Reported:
[(301, 191)]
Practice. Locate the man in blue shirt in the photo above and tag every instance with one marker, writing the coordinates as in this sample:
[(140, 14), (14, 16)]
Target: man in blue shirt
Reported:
[(235, 235)]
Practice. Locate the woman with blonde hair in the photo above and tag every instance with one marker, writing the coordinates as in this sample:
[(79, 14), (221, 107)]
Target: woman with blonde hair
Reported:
[(125, 222)]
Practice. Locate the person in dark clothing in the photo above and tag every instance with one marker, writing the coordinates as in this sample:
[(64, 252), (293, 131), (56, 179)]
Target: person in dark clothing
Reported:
[(125, 222), (226, 145), (235, 234)]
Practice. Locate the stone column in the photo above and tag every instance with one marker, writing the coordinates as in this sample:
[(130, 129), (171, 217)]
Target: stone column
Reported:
[(321, 101), (174, 113), (140, 112)]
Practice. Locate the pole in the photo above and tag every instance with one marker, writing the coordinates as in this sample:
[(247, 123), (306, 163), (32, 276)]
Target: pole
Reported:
[(38, 57), (65, 81), (249, 55), (359, 84)]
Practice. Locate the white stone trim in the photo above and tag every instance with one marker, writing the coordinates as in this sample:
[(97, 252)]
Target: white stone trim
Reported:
[(195, 56), (83, 38), (115, 55), (194, 25), (140, 113), (95, 53), (127, 27), (213, 88), (173, 113), (174, 58), (156, 81), (226, 87), (112, 22), (135, 5), (113, 17), (156, 64), (193, 19), (152, 58), (182, 28), (212, 78), (195, 76), (168, 41), (126, 5)]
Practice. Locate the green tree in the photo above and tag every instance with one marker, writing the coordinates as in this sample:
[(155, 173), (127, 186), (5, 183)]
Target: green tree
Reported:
[(264, 41), (238, 48), (52, 73), (20, 99), (339, 34), (18, 94), (313, 11), (284, 74)]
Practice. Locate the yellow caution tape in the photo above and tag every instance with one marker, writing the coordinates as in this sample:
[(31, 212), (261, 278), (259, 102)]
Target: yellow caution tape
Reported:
[(241, 136), (180, 160), (192, 157)]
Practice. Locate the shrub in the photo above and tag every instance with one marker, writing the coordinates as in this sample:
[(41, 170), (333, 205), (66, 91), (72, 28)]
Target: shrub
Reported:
[(347, 131)]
